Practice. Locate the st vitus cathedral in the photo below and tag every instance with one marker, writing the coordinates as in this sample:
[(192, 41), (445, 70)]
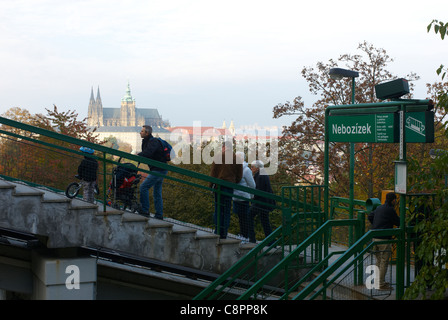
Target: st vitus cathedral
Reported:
[(124, 123), (125, 116)]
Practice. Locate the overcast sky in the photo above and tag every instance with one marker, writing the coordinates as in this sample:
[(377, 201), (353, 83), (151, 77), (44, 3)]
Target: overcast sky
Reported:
[(200, 60)]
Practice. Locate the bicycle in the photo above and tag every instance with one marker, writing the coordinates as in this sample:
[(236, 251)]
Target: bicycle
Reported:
[(73, 189)]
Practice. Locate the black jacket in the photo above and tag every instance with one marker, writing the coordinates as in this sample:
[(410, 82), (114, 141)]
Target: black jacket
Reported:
[(152, 149), (384, 217), (263, 183), (88, 168)]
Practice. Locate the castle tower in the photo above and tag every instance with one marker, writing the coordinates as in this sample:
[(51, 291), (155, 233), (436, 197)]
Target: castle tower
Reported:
[(95, 110), (99, 108), (128, 117), (232, 128)]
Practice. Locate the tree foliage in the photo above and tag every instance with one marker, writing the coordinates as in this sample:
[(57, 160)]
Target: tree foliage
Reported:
[(432, 229), (38, 162), (302, 142)]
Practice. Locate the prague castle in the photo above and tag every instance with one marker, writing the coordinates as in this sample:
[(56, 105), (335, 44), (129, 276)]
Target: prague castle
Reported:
[(124, 123), (125, 116)]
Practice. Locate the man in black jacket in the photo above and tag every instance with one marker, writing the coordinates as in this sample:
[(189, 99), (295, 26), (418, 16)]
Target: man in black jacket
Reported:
[(152, 149), (384, 217), (262, 183)]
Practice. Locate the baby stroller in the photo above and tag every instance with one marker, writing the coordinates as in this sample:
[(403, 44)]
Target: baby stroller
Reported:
[(122, 188)]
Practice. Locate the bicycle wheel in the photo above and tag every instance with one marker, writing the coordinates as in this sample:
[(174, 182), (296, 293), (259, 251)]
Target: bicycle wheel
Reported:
[(72, 190)]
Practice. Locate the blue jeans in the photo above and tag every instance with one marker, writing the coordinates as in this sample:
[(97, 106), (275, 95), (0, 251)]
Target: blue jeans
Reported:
[(153, 181), (224, 212)]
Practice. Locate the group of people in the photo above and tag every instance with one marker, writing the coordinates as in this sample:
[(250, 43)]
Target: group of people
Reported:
[(236, 171), (233, 168)]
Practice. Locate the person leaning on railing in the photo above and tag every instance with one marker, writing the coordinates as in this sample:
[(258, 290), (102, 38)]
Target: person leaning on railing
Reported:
[(228, 171), (384, 217), (87, 172), (262, 183), (241, 206)]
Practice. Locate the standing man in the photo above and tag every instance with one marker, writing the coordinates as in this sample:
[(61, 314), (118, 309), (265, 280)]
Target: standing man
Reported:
[(384, 217), (262, 183), (241, 206), (225, 167), (152, 149)]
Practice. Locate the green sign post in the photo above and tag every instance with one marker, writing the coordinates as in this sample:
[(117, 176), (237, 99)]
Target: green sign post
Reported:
[(400, 121), (381, 128)]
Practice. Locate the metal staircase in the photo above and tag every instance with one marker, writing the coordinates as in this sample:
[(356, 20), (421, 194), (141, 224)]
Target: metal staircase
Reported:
[(293, 262)]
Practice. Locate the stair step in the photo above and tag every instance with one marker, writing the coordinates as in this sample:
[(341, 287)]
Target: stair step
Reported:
[(109, 211), (6, 185), (23, 190), (77, 204), (178, 229), (205, 235), (132, 217), (70, 223)]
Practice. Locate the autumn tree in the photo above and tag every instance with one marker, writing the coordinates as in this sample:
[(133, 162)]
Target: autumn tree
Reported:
[(39, 162), (302, 143), (432, 219)]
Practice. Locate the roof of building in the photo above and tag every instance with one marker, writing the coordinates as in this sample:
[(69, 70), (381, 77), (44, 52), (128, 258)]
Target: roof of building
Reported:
[(130, 129), (109, 113)]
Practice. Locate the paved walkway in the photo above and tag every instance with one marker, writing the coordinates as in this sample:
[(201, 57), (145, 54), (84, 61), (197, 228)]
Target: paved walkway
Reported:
[(352, 291)]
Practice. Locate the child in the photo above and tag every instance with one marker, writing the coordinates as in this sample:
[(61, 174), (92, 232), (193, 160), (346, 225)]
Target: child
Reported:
[(87, 172)]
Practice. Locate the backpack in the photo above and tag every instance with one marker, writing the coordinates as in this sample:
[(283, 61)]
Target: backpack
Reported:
[(166, 149)]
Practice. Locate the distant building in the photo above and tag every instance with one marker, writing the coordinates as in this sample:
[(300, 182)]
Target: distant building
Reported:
[(125, 116), (124, 123)]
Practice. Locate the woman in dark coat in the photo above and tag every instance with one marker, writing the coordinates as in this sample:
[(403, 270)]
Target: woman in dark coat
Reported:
[(262, 183)]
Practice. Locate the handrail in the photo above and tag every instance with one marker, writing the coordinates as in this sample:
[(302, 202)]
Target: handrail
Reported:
[(294, 254), (280, 239), (355, 248), (121, 154)]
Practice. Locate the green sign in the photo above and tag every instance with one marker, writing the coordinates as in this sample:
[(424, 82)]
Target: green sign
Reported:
[(419, 127), (382, 127), (379, 128)]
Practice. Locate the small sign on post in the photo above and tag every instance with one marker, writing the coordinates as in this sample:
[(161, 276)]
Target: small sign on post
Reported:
[(401, 175)]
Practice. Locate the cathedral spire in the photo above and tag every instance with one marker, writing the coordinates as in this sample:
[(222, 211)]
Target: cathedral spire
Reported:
[(98, 98), (128, 96), (99, 109), (91, 111), (232, 128), (92, 98)]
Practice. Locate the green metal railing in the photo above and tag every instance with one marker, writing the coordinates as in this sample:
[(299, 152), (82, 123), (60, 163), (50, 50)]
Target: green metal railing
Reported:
[(36, 147), (289, 262), (323, 276), (340, 209), (302, 215), (309, 269), (293, 262)]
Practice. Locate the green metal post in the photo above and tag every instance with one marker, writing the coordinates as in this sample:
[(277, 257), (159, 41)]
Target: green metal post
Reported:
[(326, 178), (352, 174), (104, 183), (401, 238), (218, 211)]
